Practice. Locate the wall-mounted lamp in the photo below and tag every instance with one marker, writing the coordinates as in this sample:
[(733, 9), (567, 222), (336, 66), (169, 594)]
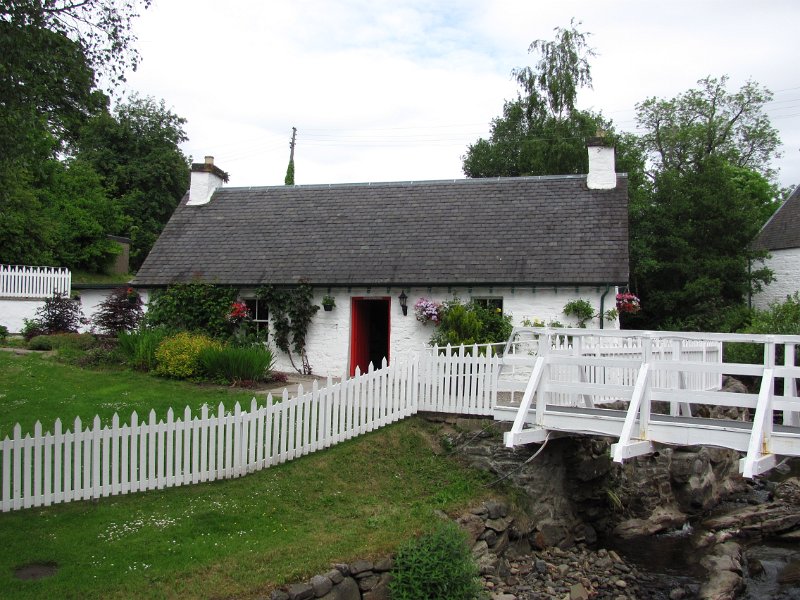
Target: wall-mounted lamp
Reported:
[(403, 302)]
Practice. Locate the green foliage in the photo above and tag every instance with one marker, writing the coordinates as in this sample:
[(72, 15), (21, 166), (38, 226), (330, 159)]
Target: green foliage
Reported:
[(234, 364), (690, 246), (50, 54), (438, 564), (3, 333), (291, 311), (139, 347), (201, 307), (580, 309), (328, 301), (120, 311), (781, 318), (136, 151), (289, 179), (683, 132), (59, 314), (178, 356), (542, 132), (40, 342), (469, 324)]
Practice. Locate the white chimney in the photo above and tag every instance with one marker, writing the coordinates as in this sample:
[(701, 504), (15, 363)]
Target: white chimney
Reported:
[(602, 173), (205, 179)]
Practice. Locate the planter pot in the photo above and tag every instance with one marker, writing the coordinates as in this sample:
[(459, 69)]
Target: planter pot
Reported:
[(327, 308)]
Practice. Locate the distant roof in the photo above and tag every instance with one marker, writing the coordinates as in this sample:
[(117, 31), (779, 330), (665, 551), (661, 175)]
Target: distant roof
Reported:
[(783, 229), (526, 230)]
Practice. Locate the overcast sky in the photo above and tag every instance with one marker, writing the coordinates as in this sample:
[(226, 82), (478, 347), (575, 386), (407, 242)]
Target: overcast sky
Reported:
[(396, 90)]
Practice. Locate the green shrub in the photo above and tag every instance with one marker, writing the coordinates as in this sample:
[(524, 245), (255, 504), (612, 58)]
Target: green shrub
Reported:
[(436, 565), (3, 333), (73, 341), (781, 318), (233, 364), (470, 324), (40, 342), (139, 347), (178, 356), (31, 328)]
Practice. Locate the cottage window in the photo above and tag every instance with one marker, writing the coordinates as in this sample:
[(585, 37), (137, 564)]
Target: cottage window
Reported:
[(489, 302), (258, 312)]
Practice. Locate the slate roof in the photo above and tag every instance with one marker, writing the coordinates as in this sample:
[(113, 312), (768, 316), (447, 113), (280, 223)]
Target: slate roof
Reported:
[(526, 230), (783, 229)]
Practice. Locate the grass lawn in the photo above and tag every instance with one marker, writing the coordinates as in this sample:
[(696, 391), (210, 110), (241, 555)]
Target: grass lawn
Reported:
[(239, 538), (231, 538), (33, 386)]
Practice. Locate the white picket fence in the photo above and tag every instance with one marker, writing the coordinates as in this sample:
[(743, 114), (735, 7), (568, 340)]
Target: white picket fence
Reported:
[(33, 282), (88, 462)]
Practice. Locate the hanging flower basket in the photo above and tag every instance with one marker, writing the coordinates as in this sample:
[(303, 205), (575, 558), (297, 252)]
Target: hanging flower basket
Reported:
[(426, 310), (628, 303)]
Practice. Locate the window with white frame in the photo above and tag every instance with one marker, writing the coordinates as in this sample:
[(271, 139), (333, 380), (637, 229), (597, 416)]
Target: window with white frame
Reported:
[(258, 312)]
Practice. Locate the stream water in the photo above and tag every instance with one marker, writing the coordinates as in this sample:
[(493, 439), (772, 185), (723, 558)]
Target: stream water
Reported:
[(674, 558)]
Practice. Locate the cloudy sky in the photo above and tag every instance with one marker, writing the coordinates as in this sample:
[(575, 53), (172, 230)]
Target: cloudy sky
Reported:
[(396, 90)]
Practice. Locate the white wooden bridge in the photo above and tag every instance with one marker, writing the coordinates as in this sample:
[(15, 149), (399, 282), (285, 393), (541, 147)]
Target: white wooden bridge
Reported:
[(644, 388)]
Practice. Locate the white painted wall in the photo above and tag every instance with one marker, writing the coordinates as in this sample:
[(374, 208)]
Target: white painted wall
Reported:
[(13, 312), (328, 341), (786, 266)]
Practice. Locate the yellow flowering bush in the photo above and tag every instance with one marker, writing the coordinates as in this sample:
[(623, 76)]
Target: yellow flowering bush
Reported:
[(178, 356)]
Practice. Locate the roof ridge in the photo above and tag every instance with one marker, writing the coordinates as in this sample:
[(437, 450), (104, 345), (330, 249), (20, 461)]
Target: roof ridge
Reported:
[(462, 181)]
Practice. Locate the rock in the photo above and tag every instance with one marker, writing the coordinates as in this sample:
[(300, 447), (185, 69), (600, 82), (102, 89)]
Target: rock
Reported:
[(662, 519), (489, 536), (367, 583), (498, 525), (724, 585), (496, 510), (381, 590), (789, 491), (321, 585), (279, 595), (790, 573), (384, 565), (360, 566), (472, 525), (300, 591), (772, 518), (502, 596), (335, 575), (481, 548), (346, 590)]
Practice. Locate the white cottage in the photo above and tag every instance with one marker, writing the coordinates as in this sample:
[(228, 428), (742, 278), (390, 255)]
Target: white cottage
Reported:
[(781, 237), (527, 245)]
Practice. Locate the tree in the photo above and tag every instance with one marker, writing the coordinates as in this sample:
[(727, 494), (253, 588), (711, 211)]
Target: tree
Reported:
[(710, 121), (707, 194), (691, 246), (135, 149), (289, 180), (542, 132), (51, 52)]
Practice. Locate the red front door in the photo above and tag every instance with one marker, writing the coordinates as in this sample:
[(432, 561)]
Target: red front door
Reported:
[(369, 332)]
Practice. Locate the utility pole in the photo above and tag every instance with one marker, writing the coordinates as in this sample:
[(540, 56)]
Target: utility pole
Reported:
[(290, 169)]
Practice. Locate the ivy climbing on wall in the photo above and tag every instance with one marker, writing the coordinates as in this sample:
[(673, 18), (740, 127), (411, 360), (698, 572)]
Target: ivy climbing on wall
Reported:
[(291, 312)]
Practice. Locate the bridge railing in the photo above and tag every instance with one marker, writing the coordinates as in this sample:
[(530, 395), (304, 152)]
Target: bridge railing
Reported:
[(671, 374)]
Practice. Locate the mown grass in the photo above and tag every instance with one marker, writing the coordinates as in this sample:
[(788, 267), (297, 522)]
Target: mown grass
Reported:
[(240, 538), (37, 387), (232, 538)]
